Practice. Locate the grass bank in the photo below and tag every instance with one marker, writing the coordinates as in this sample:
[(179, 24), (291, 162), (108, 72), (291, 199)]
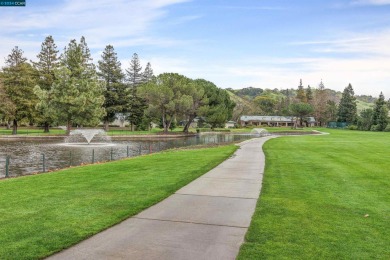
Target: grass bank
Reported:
[(323, 197), (45, 213)]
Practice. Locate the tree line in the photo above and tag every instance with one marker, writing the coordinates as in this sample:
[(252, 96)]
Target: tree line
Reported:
[(321, 103), (70, 89)]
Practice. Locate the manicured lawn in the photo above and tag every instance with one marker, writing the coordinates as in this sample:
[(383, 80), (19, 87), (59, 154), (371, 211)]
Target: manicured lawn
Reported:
[(271, 129), (32, 131), (112, 131), (42, 214), (323, 197)]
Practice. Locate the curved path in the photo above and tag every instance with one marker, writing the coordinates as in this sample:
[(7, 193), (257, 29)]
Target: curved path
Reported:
[(207, 219)]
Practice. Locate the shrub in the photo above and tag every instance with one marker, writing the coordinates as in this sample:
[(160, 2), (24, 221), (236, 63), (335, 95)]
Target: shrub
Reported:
[(387, 129), (352, 127), (374, 128)]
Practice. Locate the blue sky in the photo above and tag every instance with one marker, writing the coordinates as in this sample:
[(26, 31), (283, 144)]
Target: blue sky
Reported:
[(236, 44)]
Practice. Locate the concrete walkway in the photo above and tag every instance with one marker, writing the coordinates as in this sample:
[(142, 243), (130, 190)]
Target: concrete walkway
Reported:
[(207, 219)]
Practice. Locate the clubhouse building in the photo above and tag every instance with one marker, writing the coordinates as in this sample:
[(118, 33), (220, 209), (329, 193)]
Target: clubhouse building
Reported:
[(274, 121)]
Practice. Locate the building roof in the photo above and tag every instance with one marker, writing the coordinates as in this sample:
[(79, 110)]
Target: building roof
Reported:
[(273, 118)]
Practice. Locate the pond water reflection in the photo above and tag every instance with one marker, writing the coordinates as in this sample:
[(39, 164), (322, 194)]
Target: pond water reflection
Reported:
[(32, 156)]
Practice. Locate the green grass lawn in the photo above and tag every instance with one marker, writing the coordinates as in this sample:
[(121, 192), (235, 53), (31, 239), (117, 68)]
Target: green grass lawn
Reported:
[(323, 197), (32, 131), (271, 129), (42, 214)]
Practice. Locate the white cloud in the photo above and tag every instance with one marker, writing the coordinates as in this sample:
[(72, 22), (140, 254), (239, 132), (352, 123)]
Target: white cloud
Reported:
[(359, 44), (371, 2), (367, 75), (123, 23)]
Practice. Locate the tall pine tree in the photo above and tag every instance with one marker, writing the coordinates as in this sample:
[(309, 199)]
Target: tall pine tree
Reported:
[(347, 108), (47, 63), (309, 95), (136, 105), (77, 95), (148, 73), (379, 116), (110, 73), (301, 95), (134, 73)]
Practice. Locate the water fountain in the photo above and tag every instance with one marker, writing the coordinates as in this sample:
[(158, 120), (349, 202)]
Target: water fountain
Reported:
[(259, 132), (80, 137)]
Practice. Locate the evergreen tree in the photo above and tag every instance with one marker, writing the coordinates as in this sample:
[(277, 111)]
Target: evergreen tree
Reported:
[(110, 73), (301, 95), (301, 110), (383, 118), (309, 95), (199, 101), (136, 105), (15, 58), (347, 108), (266, 102), (135, 110), (134, 73), (76, 96), (19, 81), (48, 62), (7, 107), (365, 119), (220, 106), (379, 116), (165, 96), (148, 73), (331, 110), (378, 105)]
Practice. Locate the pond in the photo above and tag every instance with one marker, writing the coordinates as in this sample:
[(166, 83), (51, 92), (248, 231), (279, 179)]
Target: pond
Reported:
[(33, 156)]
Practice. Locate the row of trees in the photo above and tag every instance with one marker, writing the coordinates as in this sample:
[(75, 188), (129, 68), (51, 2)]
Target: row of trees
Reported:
[(323, 105), (301, 102), (69, 89), (375, 119)]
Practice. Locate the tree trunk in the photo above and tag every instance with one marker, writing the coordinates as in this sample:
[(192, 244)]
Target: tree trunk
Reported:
[(188, 124), (8, 124), (15, 127), (68, 127), (164, 123), (46, 127), (106, 125), (169, 125)]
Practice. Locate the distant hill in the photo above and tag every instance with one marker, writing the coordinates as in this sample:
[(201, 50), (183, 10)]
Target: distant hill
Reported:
[(364, 105), (249, 93), (243, 106)]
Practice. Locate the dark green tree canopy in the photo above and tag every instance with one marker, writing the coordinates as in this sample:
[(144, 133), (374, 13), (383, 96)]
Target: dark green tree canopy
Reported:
[(134, 72), (48, 61), (148, 73), (380, 113), (19, 80), (45, 67), (112, 77), (220, 107), (347, 108), (76, 96), (301, 94)]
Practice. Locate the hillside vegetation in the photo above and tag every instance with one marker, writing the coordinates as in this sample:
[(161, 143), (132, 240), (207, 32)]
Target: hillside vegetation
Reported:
[(247, 100)]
